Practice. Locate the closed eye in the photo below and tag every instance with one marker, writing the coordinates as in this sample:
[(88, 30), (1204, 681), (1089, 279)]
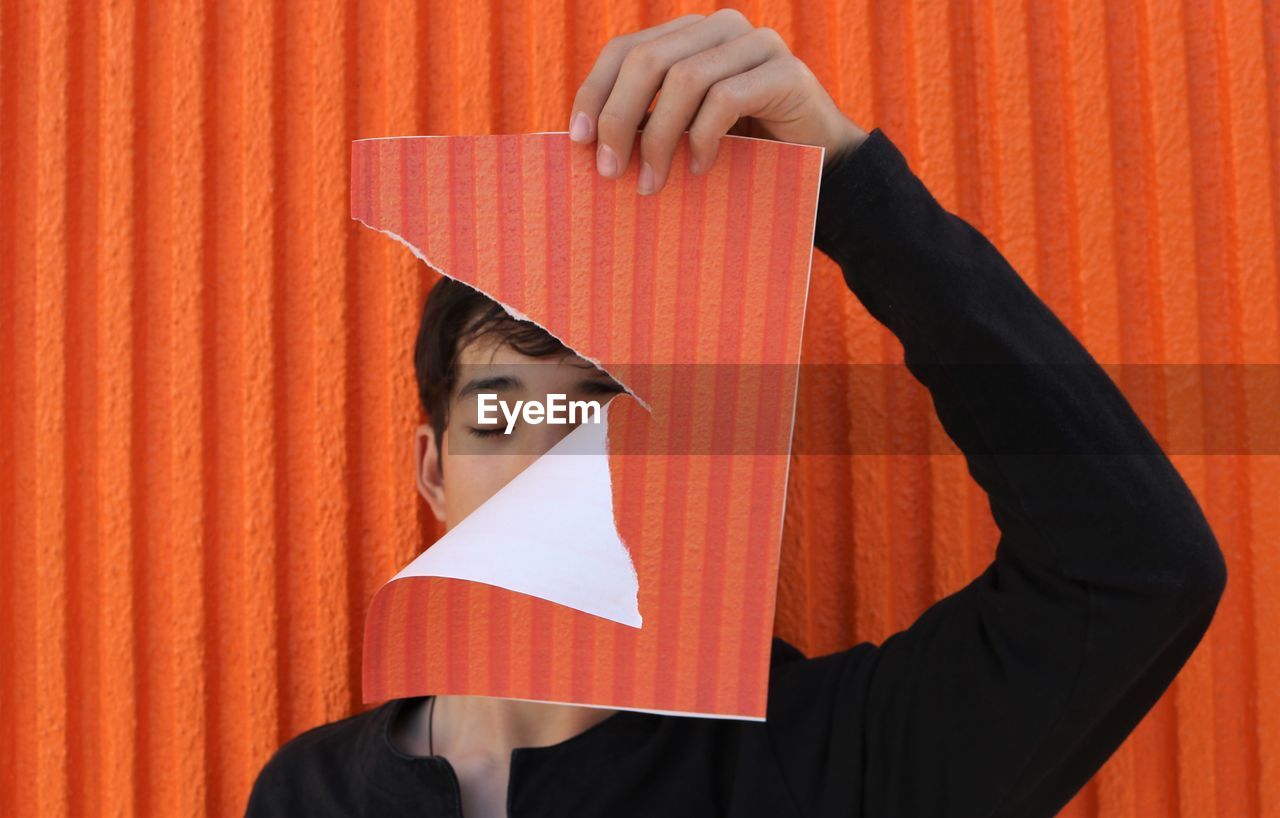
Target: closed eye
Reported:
[(597, 387)]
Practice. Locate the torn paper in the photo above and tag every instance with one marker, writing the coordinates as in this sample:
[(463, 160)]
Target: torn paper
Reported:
[(710, 272)]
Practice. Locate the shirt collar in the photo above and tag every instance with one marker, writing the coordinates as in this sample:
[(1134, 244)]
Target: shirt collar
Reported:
[(426, 778), (420, 780)]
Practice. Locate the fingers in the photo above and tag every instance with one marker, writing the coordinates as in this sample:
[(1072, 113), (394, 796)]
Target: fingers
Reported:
[(716, 70), (643, 72), (595, 90), (683, 89), (774, 91), (640, 75)]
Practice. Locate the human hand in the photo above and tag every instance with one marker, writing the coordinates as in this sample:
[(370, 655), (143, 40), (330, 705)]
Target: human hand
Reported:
[(717, 74)]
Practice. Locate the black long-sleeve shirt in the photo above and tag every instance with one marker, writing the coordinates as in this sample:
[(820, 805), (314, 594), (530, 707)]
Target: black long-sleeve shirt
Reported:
[(1003, 698)]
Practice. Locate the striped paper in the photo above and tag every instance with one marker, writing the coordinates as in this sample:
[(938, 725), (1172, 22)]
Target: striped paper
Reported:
[(694, 298)]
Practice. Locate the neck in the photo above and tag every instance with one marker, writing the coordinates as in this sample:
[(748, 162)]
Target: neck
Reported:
[(491, 727)]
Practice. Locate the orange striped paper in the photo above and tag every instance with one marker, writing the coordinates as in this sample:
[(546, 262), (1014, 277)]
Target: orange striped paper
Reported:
[(709, 275)]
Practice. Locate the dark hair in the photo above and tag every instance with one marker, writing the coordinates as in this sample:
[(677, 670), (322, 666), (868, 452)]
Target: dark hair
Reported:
[(454, 315)]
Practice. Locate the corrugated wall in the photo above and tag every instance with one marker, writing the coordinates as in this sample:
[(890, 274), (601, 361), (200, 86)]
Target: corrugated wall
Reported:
[(205, 458)]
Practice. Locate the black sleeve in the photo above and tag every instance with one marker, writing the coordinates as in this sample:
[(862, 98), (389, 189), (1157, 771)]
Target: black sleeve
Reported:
[(1003, 698), (267, 797)]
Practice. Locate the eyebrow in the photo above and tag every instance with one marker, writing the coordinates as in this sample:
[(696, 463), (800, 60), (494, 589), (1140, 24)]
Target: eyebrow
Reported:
[(494, 383)]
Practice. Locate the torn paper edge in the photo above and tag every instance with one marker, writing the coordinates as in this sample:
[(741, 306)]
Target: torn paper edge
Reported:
[(519, 316), (514, 313)]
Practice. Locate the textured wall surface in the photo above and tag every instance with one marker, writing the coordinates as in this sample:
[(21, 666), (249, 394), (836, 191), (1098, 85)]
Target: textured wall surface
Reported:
[(205, 425)]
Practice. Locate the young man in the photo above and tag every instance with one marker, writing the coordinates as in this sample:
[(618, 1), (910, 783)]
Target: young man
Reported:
[(1000, 700)]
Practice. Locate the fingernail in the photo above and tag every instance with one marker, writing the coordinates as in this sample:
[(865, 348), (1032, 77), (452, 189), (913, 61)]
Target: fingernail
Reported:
[(694, 167), (580, 127), (606, 161), (645, 184)]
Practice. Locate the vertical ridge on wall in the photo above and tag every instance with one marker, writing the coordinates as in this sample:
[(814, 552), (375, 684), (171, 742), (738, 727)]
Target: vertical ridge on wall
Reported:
[(10, 773), (19, 774), (223, 553), (340, 61), (121, 220), (183, 257), (149, 434), (213, 431), (50, 731), (293, 673), (206, 436)]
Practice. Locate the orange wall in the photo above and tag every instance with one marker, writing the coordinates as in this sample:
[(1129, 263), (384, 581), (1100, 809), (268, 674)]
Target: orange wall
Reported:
[(205, 451)]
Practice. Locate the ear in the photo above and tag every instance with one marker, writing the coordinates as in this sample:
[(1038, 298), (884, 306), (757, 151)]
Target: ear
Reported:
[(427, 463)]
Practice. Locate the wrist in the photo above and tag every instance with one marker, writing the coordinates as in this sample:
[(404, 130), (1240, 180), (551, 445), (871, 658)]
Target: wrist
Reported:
[(846, 136)]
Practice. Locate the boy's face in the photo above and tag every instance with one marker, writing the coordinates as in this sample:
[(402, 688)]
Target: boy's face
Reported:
[(477, 460)]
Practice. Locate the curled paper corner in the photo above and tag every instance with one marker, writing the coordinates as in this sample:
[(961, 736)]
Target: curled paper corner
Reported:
[(525, 538), (512, 311)]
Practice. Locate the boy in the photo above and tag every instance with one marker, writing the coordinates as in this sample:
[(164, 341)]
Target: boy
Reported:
[(1000, 700)]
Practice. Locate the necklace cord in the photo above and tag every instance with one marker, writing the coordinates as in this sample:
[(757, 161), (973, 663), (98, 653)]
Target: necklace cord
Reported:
[(431, 717)]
